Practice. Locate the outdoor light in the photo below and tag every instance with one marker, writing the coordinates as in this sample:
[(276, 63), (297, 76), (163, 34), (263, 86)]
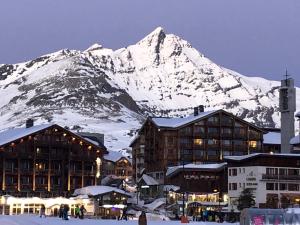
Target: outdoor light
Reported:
[(144, 186), (98, 163)]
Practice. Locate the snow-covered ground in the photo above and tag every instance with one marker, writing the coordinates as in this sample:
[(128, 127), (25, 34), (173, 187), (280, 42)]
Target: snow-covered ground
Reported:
[(35, 220)]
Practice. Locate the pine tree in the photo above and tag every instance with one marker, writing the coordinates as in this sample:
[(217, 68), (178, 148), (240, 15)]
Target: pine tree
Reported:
[(246, 199)]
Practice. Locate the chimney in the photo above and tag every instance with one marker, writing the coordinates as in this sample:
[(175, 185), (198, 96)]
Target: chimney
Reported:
[(196, 112), (29, 123), (201, 108)]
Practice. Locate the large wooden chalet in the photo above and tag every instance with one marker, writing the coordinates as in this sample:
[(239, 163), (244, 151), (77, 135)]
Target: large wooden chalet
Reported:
[(47, 160), (204, 137)]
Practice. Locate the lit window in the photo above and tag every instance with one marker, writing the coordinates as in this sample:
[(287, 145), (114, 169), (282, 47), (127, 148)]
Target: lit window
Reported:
[(252, 144), (198, 141)]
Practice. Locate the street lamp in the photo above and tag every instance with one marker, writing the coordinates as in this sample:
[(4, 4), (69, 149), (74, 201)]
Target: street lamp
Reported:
[(219, 198)]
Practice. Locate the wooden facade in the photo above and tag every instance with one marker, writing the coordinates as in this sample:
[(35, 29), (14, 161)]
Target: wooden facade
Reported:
[(200, 181), (205, 139), (120, 168), (48, 162)]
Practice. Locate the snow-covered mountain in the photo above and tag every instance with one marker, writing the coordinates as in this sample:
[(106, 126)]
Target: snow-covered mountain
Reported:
[(109, 91)]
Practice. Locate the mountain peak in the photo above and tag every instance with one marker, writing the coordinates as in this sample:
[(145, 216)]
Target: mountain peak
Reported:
[(156, 37)]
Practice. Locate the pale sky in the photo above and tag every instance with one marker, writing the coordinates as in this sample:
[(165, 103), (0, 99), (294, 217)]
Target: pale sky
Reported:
[(252, 37)]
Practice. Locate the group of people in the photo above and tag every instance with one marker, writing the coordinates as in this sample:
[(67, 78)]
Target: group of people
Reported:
[(80, 211), (208, 215), (64, 211)]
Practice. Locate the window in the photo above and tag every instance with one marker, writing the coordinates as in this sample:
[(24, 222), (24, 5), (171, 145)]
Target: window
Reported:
[(226, 153), (199, 130), (40, 180), (213, 119), (213, 130), (272, 171), (252, 144), (40, 166), (212, 152), (229, 172), (226, 131), (10, 180), (25, 180), (270, 186), (239, 131), (198, 141), (170, 140), (185, 141), (212, 142), (293, 172), (185, 131), (226, 120), (234, 172), (282, 171), (282, 186), (234, 186), (226, 143), (199, 153), (293, 187), (201, 122)]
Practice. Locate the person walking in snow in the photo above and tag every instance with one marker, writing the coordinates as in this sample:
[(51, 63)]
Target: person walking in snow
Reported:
[(43, 211), (82, 211), (143, 218), (77, 211), (65, 212)]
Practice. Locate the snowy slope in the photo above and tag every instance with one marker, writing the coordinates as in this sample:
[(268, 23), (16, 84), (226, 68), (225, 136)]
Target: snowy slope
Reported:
[(102, 90)]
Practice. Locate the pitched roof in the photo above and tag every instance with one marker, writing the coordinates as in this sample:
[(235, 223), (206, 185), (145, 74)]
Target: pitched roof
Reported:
[(114, 156), (196, 167), (272, 138), (177, 122), (98, 190), (17, 133), (148, 180), (295, 140), (13, 134)]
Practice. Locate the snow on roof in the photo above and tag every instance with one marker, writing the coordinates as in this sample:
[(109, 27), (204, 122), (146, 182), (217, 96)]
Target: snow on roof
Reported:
[(149, 180), (295, 140), (114, 156), (156, 203), (272, 138), (243, 157), (17, 133), (177, 122), (170, 187), (134, 139), (191, 166), (98, 190), (91, 141)]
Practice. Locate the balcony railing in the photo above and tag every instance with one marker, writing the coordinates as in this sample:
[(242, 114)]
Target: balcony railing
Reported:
[(280, 177)]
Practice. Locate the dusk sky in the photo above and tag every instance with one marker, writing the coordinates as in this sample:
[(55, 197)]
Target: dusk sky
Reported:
[(254, 38)]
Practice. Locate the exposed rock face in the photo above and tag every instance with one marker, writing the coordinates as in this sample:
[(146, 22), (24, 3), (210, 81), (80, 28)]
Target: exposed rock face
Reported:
[(112, 91)]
